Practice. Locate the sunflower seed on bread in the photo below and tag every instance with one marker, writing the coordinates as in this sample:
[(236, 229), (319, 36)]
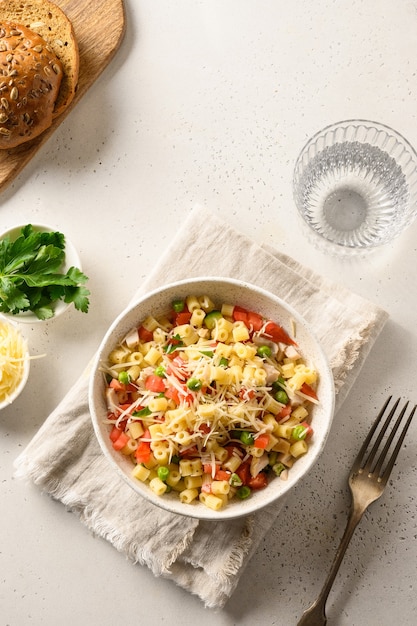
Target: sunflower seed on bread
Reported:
[(39, 65)]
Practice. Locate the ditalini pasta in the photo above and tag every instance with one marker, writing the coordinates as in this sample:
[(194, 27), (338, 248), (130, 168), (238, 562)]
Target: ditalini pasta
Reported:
[(209, 401)]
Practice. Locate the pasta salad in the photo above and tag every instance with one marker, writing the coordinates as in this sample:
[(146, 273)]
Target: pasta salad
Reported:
[(209, 401)]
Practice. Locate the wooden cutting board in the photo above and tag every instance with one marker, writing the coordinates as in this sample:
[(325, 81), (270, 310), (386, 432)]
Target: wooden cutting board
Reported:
[(99, 27)]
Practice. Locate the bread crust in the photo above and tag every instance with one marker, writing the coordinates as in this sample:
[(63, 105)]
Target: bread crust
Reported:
[(30, 79)]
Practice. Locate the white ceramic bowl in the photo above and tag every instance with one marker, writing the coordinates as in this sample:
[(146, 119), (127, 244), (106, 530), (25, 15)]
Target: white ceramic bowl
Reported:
[(71, 260), (253, 298), (21, 382)]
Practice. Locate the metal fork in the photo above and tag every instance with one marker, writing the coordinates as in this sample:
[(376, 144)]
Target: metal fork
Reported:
[(367, 480)]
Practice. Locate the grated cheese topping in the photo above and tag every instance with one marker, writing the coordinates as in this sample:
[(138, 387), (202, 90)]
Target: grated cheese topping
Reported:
[(196, 387), (13, 354)]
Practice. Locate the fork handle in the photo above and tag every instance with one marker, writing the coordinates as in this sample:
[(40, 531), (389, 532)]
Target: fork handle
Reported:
[(316, 614)]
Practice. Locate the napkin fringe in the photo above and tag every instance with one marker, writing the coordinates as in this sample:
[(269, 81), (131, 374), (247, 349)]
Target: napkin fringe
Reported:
[(353, 352), (236, 556), (131, 549)]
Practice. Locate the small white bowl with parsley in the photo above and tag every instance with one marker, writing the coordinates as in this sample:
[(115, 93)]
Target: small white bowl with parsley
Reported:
[(40, 274)]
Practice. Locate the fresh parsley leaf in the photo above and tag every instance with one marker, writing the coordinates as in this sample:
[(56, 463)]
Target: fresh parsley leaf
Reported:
[(44, 312), (79, 296), (30, 276)]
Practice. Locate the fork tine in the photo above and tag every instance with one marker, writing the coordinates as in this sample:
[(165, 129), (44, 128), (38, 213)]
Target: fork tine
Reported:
[(360, 457), (390, 464), (369, 464)]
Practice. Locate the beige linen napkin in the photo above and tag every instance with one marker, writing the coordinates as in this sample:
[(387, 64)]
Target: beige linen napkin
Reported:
[(64, 458)]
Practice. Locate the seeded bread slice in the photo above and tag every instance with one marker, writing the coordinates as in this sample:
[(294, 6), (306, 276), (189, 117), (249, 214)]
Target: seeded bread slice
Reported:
[(51, 23), (30, 79)]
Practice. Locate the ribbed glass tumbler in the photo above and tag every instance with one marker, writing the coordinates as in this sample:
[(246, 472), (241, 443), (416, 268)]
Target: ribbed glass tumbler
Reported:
[(355, 185)]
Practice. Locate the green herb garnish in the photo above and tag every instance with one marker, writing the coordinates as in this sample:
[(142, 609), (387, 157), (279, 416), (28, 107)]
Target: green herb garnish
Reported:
[(30, 278)]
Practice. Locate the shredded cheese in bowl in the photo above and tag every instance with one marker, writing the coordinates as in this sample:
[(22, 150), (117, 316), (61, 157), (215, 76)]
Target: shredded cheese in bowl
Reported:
[(14, 363)]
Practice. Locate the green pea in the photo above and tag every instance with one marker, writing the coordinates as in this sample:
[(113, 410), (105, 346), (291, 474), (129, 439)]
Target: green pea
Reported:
[(211, 319), (272, 459), (178, 305), (163, 473), (278, 468), (160, 371), (235, 480), (264, 351), (247, 438), (194, 384), (281, 396), (243, 492), (299, 432), (124, 378)]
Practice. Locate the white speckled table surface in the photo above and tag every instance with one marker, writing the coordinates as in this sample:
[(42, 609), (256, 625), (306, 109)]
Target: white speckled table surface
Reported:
[(210, 102)]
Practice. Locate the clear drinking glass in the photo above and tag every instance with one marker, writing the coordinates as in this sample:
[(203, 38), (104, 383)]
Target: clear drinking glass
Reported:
[(355, 185)]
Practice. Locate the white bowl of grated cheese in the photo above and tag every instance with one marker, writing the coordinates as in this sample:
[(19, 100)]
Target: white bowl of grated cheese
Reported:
[(14, 362), (211, 398)]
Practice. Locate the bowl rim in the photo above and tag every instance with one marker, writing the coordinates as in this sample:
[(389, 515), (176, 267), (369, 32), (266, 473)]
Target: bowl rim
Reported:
[(70, 253), (200, 511), (26, 369)]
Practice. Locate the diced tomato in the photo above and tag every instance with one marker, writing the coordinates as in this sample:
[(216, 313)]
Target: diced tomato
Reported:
[(243, 471), (262, 441), (308, 391), (182, 318), (172, 393), (208, 468), (234, 449), (246, 394), (143, 452), (278, 334), (189, 452), (204, 428), (118, 386), (171, 355), (284, 412), (145, 334), (155, 383), (178, 369), (115, 433), (186, 396), (126, 406), (252, 320), (222, 475), (240, 315), (255, 321), (258, 482), (121, 441)]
